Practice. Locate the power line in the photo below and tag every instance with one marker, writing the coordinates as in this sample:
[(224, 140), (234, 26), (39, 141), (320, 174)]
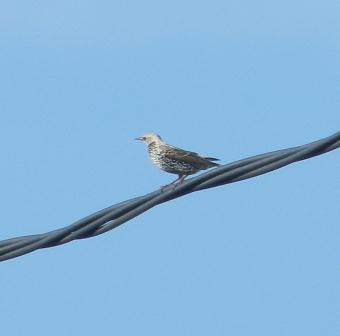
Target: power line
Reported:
[(117, 214)]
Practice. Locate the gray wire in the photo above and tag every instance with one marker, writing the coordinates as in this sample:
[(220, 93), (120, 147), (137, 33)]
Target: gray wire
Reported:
[(117, 214)]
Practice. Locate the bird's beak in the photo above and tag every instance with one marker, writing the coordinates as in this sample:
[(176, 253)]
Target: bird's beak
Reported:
[(139, 138)]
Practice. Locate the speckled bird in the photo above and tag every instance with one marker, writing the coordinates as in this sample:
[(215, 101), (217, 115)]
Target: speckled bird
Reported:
[(175, 160)]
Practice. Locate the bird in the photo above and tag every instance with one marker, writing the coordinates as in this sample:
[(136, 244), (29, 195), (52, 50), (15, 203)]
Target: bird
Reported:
[(175, 160)]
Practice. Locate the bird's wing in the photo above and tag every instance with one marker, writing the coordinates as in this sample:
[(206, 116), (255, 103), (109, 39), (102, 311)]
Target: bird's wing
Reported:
[(181, 152), (189, 157)]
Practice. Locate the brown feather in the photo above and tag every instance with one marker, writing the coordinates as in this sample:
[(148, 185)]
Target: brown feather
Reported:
[(192, 158)]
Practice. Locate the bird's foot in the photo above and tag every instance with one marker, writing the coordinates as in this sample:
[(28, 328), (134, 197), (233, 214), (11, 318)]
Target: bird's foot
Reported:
[(173, 184), (169, 186)]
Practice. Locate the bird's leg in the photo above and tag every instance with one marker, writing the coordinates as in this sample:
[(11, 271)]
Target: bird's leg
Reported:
[(173, 184), (180, 179)]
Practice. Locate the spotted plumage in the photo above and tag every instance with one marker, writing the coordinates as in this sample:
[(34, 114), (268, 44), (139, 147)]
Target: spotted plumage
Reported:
[(175, 160)]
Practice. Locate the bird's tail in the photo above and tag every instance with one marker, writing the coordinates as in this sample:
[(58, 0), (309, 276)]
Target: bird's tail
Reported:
[(211, 159)]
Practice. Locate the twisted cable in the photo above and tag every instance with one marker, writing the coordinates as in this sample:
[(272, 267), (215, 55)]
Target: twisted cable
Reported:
[(117, 214)]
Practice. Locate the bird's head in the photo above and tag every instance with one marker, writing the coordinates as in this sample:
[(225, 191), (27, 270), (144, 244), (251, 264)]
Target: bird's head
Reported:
[(150, 138)]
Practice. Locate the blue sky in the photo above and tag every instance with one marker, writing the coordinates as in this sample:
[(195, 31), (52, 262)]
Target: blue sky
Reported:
[(81, 79)]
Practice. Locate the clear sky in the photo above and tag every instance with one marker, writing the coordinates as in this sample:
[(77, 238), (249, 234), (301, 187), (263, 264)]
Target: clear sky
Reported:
[(81, 79)]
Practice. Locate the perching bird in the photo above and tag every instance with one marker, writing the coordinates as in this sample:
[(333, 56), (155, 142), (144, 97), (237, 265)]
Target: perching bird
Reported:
[(175, 160)]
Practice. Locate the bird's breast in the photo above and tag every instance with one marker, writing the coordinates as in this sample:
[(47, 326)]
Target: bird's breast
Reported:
[(158, 156)]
